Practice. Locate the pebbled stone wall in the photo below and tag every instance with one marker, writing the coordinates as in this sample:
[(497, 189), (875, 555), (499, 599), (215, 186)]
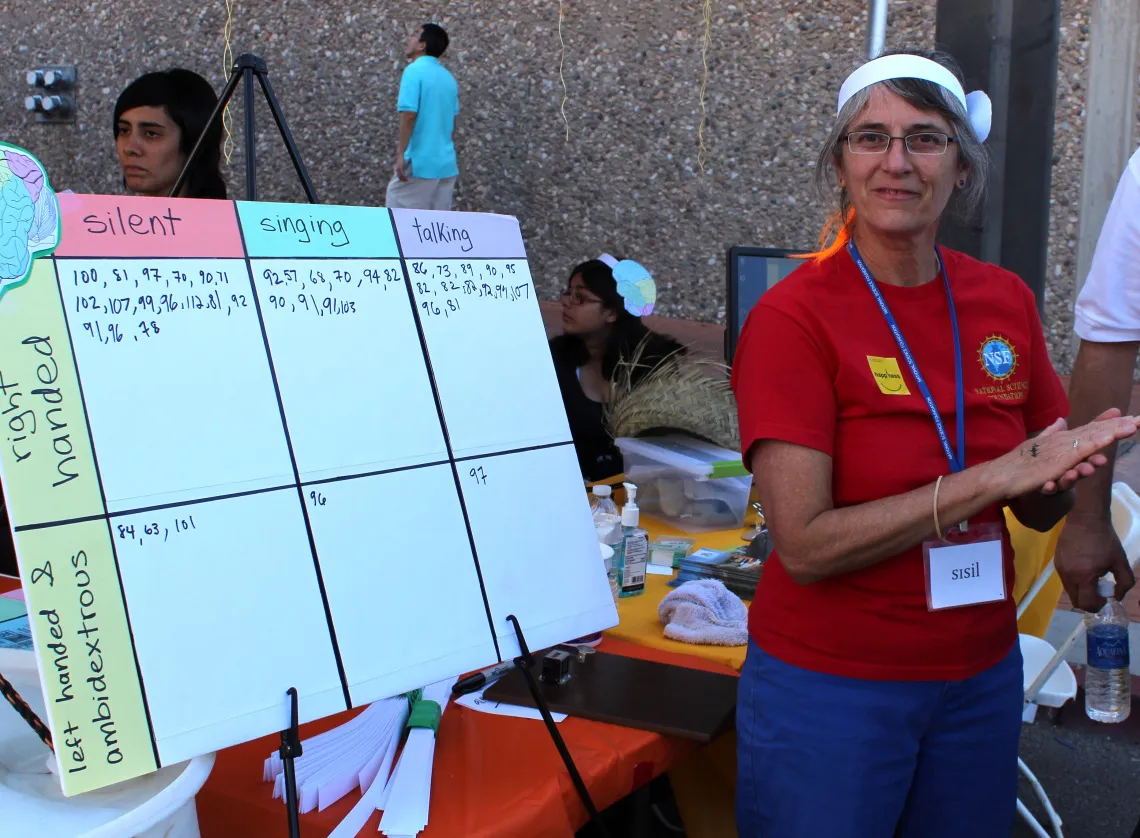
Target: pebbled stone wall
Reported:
[(621, 173)]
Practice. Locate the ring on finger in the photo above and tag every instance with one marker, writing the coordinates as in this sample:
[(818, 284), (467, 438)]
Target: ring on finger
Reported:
[(1076, 443)]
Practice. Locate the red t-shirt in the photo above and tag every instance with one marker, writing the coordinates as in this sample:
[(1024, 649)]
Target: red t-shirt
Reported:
[(802, 375)]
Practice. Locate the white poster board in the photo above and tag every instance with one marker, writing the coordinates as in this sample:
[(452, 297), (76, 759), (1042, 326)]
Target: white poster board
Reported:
[(254, 446)]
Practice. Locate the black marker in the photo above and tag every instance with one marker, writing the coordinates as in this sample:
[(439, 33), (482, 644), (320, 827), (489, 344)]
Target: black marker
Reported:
[(476, 682)]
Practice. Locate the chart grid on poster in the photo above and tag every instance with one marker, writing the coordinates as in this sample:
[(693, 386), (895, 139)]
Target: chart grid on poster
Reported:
[(306, 431)]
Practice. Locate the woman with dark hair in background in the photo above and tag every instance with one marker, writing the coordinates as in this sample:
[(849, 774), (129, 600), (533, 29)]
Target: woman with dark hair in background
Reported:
[(158, 120), (601, 330)]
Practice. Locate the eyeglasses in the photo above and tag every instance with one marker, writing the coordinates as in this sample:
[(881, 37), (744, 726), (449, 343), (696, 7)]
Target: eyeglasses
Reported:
[(577, 298), (876, 142)]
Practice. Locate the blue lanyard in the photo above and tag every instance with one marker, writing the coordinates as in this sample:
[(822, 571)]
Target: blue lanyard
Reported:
[(957, 461)]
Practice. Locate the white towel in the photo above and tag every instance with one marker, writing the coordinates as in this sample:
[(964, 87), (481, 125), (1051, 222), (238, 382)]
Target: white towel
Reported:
[(704, 611)]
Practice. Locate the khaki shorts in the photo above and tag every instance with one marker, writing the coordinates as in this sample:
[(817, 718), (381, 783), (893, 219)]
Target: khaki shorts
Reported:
[(420, 192)]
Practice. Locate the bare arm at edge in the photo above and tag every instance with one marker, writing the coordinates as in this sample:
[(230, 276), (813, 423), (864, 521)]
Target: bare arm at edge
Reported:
[(1089, 547)]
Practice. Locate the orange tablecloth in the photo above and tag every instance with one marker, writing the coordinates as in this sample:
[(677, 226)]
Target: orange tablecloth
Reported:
[(495, 777)]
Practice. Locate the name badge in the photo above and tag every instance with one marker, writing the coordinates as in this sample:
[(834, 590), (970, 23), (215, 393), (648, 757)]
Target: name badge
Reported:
[(966, 569)]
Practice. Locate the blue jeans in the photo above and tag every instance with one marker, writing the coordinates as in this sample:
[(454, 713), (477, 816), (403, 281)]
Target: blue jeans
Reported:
[(822, 756)]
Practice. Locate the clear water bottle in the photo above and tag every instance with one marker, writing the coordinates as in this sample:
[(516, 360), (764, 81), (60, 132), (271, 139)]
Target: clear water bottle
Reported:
[(1108, 685), (607, 519), (601, 501)]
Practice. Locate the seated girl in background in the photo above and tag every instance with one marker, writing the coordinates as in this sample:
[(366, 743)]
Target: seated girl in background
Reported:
[(602, 308), (158, 120)]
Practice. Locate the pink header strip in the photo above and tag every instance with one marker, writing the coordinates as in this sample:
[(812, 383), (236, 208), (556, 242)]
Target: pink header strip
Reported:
[(121, 225)]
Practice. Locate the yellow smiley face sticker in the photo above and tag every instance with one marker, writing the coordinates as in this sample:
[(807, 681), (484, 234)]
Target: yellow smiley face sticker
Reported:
[(888, 375)]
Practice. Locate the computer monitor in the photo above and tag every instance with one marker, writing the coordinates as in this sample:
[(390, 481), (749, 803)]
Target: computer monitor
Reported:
[(751, 272)]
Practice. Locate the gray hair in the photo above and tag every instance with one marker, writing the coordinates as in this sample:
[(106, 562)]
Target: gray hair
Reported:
[(927, 96)]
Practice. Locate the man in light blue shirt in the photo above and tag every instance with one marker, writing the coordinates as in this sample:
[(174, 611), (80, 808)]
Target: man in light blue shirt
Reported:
[(426, 168)]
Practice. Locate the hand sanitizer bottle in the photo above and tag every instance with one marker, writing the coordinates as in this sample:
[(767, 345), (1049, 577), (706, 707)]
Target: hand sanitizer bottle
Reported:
[(632, 552)]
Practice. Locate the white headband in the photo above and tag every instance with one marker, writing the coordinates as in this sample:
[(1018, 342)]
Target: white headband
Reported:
[(977, 104)]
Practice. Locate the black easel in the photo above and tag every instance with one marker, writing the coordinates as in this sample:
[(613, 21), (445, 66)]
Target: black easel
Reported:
[(525, 663), (246, 68), (291, 748)]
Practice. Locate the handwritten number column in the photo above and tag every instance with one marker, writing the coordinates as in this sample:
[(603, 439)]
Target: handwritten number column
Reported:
[(518, 474)]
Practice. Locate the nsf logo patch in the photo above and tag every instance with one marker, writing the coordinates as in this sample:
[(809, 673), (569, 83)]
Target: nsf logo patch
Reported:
[(997, 357)]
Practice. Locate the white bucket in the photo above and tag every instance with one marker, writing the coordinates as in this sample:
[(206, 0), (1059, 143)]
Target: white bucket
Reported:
[(171, 813), (159, 805)]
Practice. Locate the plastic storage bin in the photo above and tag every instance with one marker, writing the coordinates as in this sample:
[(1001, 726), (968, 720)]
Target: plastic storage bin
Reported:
[(687, 483)]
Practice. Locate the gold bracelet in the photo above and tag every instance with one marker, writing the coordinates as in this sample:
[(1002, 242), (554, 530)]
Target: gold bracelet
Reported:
[(937, 526)]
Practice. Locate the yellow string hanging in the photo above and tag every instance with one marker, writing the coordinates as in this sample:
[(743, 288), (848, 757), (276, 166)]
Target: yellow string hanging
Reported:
[(561, 77), (227, 66), (702, 151)]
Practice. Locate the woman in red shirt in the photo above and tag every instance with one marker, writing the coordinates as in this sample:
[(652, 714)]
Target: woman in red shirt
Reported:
[(894, 396)]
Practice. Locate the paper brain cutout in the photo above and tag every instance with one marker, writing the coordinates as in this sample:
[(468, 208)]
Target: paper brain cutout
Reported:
[(29, 215), (636, 287)]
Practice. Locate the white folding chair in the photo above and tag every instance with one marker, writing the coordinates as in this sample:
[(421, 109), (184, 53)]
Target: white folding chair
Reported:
[(1048, 682), (1048, 679)]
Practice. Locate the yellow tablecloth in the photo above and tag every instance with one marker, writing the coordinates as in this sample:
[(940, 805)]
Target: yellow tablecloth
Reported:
[(705, 784), (638, 615)]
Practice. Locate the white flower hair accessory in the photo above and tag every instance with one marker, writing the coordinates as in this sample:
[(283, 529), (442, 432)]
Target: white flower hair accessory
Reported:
[(634, 283)]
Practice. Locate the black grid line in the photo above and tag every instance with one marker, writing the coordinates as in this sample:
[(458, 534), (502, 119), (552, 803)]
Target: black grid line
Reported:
[(296, 473)]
